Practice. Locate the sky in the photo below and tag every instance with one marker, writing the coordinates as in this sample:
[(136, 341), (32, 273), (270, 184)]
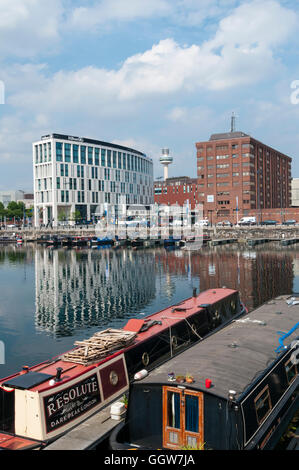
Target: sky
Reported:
[(147, 74)]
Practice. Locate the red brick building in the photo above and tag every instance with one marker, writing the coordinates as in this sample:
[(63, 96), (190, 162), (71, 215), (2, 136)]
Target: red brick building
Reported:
[(237, 172), (177, 191)]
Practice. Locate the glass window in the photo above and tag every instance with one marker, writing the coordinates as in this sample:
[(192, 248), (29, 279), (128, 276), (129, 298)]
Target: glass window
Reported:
[(67, 152), (109, 158), (173, 410), (45, 152), (97, 156), (59, 151), (191, 413), (90, 156), (36, 153), (124, 161), (58, 183), (76, 153), (103, 157), (83, 154), (119, 160), (114, 159), (61, 169), (263, 405), (49, 151)]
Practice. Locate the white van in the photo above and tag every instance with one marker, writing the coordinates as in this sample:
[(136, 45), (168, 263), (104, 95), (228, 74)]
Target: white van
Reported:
[(247, 221)]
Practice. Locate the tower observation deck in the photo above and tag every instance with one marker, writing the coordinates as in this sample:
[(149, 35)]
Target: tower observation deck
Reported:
[(166, 160)]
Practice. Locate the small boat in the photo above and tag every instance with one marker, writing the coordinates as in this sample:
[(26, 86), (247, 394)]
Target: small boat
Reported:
[(54, 241), (98, 241), (171, 241), (236, 390), (40, 403), (19, 241), (79, 241)]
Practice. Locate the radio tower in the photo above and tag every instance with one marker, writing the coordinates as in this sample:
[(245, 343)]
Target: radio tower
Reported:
[(166, 160)]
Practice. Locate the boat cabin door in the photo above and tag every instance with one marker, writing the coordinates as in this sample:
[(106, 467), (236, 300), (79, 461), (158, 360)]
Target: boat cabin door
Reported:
[(183, 426)]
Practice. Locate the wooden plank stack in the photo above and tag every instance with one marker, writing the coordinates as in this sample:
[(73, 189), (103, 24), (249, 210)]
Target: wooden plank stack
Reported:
[(99, 346)]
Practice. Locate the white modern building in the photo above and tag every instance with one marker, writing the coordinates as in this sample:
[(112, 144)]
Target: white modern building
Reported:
[(75, 174)]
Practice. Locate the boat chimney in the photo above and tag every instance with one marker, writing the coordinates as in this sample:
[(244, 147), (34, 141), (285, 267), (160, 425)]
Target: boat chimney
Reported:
[(59, 371), (194, 292)]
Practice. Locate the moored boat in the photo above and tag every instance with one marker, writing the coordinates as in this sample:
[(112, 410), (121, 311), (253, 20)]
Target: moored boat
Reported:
[(236, 390), (42, 402)]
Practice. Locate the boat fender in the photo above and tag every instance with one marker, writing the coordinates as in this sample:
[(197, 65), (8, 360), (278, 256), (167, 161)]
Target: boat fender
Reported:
[(141, 374)]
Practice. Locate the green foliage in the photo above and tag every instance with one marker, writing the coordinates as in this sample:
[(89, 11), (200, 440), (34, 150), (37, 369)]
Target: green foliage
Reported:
[(15, 210)]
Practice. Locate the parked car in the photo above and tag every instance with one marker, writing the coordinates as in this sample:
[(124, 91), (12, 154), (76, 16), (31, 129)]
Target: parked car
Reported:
[(289, 222), (269, 222), (224, 223), (202, 223), (247, 221)]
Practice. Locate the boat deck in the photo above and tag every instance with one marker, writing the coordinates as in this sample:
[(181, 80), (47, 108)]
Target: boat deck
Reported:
[(233, 356), (41, 374)]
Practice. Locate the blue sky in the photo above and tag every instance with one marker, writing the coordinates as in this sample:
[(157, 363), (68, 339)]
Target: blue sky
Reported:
[(146, 73)]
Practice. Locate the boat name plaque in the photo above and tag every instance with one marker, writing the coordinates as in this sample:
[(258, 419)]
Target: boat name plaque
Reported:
[(68, 404)]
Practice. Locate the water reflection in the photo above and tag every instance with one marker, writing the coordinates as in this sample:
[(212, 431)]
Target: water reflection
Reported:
[(51, 296), (76, 289), (259, 275)]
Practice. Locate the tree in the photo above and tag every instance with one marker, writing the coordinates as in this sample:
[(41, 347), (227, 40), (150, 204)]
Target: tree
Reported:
[(76, 216)]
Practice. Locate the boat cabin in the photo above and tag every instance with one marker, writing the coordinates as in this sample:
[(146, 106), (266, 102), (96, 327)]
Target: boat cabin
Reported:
[(237, 389)]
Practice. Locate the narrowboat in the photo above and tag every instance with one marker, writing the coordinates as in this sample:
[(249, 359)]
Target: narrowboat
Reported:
[(171, 241), (98, 241), (40, 403), (236, 390), (54, 241)]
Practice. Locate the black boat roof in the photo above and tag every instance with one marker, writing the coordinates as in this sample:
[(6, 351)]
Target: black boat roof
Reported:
[(235, 356)]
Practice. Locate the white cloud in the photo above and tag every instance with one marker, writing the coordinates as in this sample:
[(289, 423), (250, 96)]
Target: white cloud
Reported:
[(242, 52), (104, 12), (29, 26)]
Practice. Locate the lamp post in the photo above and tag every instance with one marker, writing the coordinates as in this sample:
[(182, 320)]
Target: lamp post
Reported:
[(258, 172)]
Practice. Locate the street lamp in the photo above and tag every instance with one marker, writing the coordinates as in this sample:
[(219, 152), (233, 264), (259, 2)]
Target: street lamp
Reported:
[(258, 172)]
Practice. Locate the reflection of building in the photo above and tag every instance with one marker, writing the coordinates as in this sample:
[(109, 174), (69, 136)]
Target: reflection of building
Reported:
[(86, 176), (90, 288), (259, 276)]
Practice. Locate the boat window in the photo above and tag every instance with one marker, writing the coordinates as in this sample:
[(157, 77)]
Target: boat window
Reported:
[(263, 405), (291, 371), (191, 413), (173, 410)]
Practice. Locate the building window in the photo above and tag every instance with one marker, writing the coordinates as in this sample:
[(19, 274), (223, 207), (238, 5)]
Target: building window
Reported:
[(103, 157), (90, 156), (59, 151), (83, 155), (263, 405), (119, 160), (96, 156), (109, 158), (75, 153), (67, 152)]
